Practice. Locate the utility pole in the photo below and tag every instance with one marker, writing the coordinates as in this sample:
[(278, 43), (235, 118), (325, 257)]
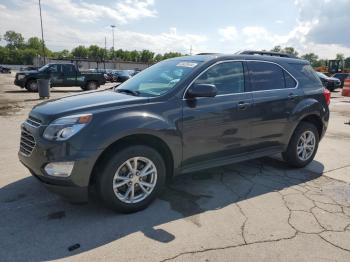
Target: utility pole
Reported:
[(113, 26), (42, 33), (104, 60)]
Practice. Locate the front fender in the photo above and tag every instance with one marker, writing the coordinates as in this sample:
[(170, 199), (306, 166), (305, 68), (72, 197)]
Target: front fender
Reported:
[(110, 129)]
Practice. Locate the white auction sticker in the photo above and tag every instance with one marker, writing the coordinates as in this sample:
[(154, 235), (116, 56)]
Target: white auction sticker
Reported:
[(187, 64)]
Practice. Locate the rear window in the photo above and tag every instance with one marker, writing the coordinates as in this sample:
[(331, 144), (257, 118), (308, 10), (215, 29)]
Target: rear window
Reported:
[(307, 75)]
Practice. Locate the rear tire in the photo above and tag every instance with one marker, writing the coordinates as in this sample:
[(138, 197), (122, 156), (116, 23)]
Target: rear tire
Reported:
[(32, 86), (302, 146), (119, 175), (91, 85)]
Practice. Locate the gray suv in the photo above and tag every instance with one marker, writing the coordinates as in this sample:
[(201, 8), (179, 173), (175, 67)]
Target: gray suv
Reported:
[(178, 116)]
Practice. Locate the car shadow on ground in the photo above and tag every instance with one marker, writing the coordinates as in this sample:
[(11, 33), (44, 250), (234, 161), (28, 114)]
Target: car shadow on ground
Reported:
[(36, 225)]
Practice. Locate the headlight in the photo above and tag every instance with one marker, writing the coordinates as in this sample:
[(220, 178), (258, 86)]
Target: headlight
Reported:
[(64, 128), (19, 77)]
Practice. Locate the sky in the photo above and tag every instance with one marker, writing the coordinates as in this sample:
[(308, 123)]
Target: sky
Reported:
[(224, 26)]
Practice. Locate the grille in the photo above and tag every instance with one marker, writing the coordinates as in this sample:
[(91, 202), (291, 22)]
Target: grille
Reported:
[(27, 143), (33, 121)]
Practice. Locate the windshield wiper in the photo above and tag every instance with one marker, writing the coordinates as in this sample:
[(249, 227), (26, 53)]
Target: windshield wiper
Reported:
[(134, 93)]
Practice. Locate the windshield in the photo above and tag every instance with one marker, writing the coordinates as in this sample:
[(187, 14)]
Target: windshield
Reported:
[(44, 68), (322, 75), (159, 78)]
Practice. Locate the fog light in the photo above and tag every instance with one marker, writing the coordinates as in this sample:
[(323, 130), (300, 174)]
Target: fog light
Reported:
[(59, 169)]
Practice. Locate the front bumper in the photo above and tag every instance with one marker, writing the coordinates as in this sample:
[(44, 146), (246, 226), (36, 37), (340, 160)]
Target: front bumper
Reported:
[(333, 84), (75, 187), (20, 83)]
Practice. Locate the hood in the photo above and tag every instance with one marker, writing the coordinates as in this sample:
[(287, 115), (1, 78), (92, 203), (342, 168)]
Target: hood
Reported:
[(333, 79), (85, 102), (27, 72)]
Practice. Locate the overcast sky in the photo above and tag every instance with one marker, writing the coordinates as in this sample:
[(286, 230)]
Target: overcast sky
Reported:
[(320, 26)]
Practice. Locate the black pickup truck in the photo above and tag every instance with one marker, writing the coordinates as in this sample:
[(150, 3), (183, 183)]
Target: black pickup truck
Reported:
[(59, 75)]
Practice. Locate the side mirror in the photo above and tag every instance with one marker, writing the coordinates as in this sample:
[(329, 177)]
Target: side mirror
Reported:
[(201, 90)]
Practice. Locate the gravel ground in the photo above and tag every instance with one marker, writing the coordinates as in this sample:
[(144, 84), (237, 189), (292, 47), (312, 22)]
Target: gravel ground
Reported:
[(258, 210)]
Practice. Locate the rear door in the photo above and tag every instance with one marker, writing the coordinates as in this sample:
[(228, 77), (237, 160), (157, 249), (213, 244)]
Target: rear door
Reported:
[(69, 74), (217, 127), (275, 95)]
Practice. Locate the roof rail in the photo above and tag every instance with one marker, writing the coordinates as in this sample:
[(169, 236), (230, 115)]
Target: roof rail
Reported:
[(252, 52), (208, 54)]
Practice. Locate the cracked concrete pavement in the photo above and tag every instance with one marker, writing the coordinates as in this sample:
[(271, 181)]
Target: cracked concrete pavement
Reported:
[(258, 210)]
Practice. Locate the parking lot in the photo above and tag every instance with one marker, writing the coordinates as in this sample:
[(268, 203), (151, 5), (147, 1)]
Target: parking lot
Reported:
[(258, 210)]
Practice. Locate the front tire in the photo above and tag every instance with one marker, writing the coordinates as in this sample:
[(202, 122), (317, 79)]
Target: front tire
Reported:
[(91, 85), (303, 145), (131, 178), (32, 86)]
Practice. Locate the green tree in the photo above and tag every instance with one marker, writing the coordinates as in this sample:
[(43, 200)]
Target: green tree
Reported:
[(27, 55), (171, 55), (135, 56), (95, 52), (80, 52), (147, 56), (347, 62), (312, 58), (158, 58), (277, 48), (290, 50), (13, 39), (62, 54), (34, 43), (340, 56), (4, 55)]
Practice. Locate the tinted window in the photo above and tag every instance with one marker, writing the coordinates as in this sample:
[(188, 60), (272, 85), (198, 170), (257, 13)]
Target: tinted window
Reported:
[(55, 68), (68, 69), (228, 77), (289, 81), (340, 76), (308, 76), (266, 76)]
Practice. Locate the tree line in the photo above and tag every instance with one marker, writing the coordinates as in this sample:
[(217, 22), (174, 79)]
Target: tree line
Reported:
[(314, 60), (20, 51)]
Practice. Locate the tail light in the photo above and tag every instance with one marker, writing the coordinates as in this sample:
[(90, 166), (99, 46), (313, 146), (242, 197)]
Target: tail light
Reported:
[(327, 95)]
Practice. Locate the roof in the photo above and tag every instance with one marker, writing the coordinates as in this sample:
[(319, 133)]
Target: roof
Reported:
[(207, 57)]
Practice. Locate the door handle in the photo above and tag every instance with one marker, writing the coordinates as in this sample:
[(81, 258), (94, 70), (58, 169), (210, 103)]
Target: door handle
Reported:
[(243, 105), (292, 96)]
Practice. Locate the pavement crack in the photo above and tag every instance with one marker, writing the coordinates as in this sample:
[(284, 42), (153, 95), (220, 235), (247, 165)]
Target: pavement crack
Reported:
[(345, 249), (238, 206), (227, 247)]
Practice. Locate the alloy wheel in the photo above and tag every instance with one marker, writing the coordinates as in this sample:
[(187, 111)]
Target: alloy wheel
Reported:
[(134, 180), (306, 145)]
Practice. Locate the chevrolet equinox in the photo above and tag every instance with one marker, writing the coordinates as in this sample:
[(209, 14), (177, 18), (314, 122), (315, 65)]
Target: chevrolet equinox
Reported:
[(178, 116)]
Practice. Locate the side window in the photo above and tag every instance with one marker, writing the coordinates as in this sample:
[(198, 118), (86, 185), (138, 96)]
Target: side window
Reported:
[(266, 76), (228, 77), (55, 68), (68, 69), (307, 75), (289, 81)]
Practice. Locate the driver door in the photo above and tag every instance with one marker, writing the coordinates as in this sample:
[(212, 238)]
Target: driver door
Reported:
[(217, 127), (56, 75)]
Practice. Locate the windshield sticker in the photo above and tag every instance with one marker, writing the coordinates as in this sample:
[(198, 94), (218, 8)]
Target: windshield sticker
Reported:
[(187, 64)]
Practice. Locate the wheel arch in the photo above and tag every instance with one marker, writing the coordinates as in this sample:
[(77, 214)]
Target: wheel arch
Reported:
[(136, 139), (316, 121)]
